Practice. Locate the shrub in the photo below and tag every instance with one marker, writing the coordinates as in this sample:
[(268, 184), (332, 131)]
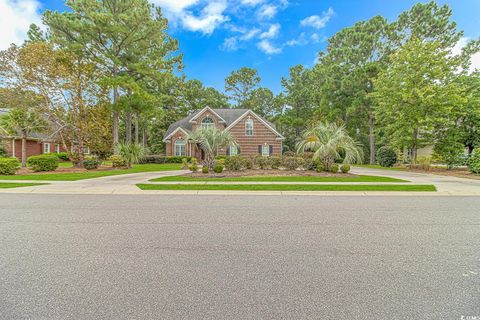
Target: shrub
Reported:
[(474, 162), (289, 154), (163, 159), (249, 162), (205, 169), (292, 163), (118, 161), (43, 163), (319, 167), (63, 156), (422, 163), (3, 151), (275, 162), (193, 166), (9, 166), (234, 163), (386, 157), (184, 163), (308, 164), (334, 168), (345, 168), (132, 153), (91, 163), (218, 168), (220, 161), (263, 163)]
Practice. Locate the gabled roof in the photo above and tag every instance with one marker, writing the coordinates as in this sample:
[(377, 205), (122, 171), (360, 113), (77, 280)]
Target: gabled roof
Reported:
[(230, 116)]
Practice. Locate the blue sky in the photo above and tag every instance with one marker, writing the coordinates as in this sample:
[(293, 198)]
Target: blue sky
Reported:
[(218, 36)]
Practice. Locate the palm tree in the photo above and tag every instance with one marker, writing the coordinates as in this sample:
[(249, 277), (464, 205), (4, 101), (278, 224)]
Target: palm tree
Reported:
[(329, 141), (23, 122), (210, 140), (130, 152)]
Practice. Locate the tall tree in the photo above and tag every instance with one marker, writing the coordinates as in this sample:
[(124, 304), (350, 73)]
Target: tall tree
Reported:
[(127, 39), (240, 85)]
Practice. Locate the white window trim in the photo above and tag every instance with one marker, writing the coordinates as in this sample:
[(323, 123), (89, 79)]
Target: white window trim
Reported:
[(46, 147), (57, 148), (246, 127), (86, 150), (207, 125), (235, 153), (184, 145), (265, 147)]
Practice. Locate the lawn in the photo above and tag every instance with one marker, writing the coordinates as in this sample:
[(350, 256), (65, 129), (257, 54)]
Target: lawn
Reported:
[(9, 185), (377, 166), (360, 178), (287, 187), (69, 176)]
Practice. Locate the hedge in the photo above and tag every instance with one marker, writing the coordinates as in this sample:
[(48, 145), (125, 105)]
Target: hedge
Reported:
[(9, 166), (386, 157), (164, 159), (474, 162), (43, 163)]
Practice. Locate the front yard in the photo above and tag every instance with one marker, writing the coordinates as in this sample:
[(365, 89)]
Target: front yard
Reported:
[(66, 173)]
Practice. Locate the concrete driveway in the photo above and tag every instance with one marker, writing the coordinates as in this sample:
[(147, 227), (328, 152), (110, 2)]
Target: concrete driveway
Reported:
[(444, 184)]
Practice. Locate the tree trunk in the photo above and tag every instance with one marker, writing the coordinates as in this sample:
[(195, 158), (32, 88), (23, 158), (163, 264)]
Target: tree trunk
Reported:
[(371, 124), (470, 149), (128, 129), (24, 151), (144, 137), (115, 115), (415, 146), (136, 127)]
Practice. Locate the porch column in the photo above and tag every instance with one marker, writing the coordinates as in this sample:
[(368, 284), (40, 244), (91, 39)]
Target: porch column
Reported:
[(13, 148)]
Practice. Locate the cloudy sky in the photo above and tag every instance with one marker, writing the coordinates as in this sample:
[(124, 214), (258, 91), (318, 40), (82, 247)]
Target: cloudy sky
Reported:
[(218, 36)]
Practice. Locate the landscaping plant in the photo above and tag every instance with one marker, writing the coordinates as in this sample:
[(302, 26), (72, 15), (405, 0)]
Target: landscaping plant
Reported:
[(193, 166), (204, 169), (91, 163), (3, 151), (386, 157), (329, 141), (63, 156), (474, 162), (118, 161), (234, 163), (345, 168), (218, 168), (9, 166), (334, 168), (43, 162), (131, 153), (291, 163), (263, 163), (210, 140)]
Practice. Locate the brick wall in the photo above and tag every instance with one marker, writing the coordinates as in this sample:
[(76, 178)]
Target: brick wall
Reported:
[(33, 147)]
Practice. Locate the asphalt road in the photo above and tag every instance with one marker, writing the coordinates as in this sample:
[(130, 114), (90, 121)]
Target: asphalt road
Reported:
[(239, 257)]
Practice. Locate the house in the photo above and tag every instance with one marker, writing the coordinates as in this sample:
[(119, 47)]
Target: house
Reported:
[(254, 135), (36, 143)]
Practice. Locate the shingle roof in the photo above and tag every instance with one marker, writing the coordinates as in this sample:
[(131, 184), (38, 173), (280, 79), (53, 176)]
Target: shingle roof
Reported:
[(229, 115)]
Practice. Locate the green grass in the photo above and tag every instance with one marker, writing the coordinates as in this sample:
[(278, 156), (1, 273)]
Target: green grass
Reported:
[(287, 187), (360, 178), (8, 185), (376, 166), (65, 164), (93, 174)]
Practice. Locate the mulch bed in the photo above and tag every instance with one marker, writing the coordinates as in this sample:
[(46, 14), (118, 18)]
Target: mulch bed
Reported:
[(24, 171), (246, 173)]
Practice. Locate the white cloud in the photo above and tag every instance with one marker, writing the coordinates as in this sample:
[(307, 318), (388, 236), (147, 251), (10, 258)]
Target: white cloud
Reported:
[(230, 44), (211, 17), (250, 34), (176, 6), (268, 47), (300, 41), (315, 38), (15, 19), (267, 11), (272, 32), (318, 22), (251, 2)]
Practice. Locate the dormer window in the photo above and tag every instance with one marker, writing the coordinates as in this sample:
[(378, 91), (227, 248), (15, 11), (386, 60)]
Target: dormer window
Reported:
[(207, 123), (249, 127)]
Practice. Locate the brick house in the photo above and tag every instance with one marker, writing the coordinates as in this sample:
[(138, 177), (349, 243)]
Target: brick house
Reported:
[(36, 143), (254, 135)]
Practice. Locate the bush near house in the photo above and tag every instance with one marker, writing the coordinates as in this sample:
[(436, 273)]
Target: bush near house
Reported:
[(345, 168), (386, 157), (91, 163), (9, 166), (3, 151), (43, 163), (235, 163), (204, 169), (193, 166), (118, 161), (474, 162), (150, 159), (334, 168), (63, 156), (218, 168)]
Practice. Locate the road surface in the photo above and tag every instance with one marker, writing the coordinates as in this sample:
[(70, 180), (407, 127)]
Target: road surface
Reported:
[(238, 257)]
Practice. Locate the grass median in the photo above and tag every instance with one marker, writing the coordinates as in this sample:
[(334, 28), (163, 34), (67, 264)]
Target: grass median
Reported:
[(359, 178), (288, 187), (74, 176), (10, 185)]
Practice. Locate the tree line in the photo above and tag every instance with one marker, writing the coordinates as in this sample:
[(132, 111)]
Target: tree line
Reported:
[(108, 71)]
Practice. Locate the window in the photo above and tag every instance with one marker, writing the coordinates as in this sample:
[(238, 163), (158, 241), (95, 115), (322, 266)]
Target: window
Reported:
[(249, 127), (233, 150), (86, 150), (46, 148), (57, 148), (265, 150), (180, 148), (207, 123)]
